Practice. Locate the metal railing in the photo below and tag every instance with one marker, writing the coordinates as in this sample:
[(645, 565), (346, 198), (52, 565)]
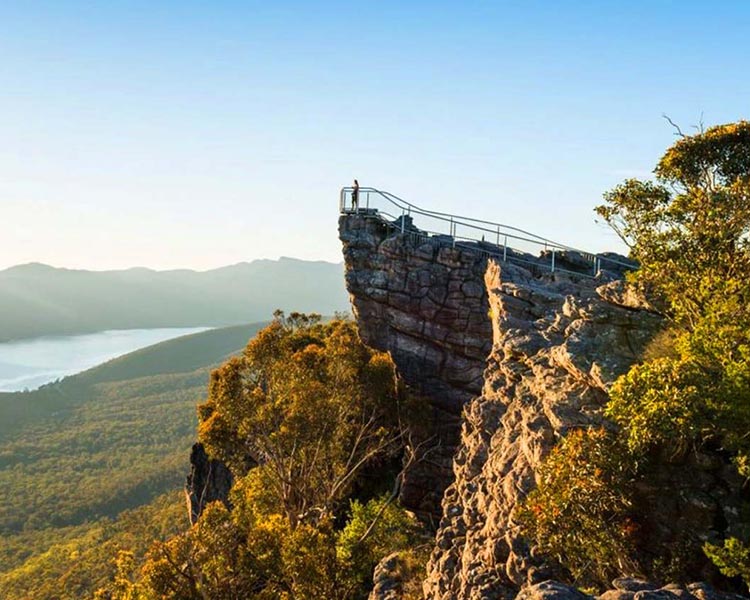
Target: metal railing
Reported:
[(494, 239)]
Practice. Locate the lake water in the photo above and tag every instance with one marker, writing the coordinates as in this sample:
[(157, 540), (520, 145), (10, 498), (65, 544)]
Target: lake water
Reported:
[(28, 364)]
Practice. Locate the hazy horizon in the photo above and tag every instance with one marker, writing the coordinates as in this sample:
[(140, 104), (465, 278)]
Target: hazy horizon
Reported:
[(30, 363), (157, 270)]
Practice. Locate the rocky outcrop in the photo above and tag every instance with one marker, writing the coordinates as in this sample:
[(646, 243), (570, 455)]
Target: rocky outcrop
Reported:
[(425, 302), (558, 346), (552, 590), (387, 579), (525, 356), (209, 480), (626, 588)]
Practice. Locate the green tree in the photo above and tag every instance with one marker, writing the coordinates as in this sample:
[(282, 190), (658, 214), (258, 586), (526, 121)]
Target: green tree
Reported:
[(311, 406), (690, 232), (580, 512), (732, 558), (298, 418), (689, 229), (374, 529)]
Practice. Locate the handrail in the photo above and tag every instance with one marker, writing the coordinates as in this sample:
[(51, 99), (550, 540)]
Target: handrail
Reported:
[(395, 200), (474, 225), (503, 226)]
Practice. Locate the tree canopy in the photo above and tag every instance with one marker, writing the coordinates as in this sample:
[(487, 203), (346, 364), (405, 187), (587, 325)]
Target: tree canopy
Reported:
[(299, 418), (690, 231)]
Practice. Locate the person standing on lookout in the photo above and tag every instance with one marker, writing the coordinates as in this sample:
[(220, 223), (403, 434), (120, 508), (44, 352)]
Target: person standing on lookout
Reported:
[(355, 196)]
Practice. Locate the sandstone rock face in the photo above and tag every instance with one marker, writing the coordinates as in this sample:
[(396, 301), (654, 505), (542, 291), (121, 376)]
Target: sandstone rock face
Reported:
[(209, 480), (558, 346), (386, 579), (628, 588), (551, 590), (425, 302), (527, 356)]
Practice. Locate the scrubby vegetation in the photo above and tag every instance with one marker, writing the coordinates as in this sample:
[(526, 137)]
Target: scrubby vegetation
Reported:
[(690, 232), (69, 563), (584, 482), (300, 419)]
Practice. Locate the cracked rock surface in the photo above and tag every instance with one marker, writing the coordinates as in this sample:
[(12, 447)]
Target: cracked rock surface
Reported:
[(557, 347)]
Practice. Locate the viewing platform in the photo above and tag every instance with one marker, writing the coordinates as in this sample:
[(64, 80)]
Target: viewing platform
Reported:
[(504, 242)]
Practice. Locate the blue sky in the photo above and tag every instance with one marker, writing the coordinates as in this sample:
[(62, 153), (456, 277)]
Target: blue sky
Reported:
[(199, 134)]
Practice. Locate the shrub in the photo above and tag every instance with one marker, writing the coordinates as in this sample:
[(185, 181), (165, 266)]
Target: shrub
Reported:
[(374, 530), (732, 558), (659, 402), (579, 514)]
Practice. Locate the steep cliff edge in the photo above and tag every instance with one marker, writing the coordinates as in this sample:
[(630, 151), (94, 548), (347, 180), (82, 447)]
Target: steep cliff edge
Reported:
[(524, 356), (426, 304)]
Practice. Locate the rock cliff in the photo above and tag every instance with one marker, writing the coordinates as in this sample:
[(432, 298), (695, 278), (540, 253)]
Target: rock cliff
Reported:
[(510, 357), (558, 344), (426, 304)]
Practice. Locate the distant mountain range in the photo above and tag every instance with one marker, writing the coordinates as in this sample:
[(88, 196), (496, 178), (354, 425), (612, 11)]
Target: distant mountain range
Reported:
[(37, 299)]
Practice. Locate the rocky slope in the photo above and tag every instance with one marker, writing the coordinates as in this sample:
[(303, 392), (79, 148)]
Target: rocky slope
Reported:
[(558, 344), (526, 355)]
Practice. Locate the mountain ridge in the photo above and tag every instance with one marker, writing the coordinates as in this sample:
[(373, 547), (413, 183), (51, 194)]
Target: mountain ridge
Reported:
[(38, 299), (45, 267)]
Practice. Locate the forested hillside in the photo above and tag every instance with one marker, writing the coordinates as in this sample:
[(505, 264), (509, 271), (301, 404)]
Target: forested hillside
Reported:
[(75, 454)]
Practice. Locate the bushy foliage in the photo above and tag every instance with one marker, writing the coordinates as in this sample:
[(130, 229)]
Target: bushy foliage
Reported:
[(732, 558), (690, 232), (310, 405), (580, 513), (661, 402), (374, 529), (297, 418)]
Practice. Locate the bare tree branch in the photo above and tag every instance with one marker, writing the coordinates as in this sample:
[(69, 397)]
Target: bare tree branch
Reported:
[(412, 457), (678, 131)]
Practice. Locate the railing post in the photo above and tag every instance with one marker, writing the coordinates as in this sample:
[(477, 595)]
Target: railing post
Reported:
[(403, 220), (498, 235), (367, 200), (553, 260), (453, 232), (505, 249)]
